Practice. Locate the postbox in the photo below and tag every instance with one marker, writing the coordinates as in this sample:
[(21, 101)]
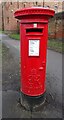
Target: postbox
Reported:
[(33, 48)]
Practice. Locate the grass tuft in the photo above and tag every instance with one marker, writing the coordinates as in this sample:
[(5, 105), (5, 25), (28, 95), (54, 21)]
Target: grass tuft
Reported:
[(15, 36), (56, 45)]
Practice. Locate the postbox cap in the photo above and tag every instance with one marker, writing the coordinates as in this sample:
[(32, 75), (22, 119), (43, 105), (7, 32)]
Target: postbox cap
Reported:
[(34, 11)]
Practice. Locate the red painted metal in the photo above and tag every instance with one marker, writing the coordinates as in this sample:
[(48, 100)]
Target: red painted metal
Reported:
[(33, 26)]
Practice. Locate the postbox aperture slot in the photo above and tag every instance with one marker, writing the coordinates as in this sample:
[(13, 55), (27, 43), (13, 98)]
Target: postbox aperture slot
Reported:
[(34, 30)]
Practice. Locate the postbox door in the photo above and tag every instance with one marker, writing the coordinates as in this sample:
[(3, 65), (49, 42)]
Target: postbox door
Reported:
[(33, 61)]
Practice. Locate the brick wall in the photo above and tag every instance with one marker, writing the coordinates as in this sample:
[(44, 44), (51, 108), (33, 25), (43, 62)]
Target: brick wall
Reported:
[(12, 25), (56, 26)]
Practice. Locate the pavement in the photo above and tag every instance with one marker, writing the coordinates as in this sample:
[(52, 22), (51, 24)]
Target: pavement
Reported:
[(11, 107)]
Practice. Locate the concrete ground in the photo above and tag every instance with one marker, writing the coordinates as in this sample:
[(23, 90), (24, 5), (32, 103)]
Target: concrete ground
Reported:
[(11, 107)]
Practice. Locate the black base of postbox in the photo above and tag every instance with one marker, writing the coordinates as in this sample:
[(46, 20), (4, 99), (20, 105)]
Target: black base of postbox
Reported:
[(32, 103)]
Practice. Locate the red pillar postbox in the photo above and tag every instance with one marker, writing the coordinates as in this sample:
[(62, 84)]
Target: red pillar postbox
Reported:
[(33, 45)]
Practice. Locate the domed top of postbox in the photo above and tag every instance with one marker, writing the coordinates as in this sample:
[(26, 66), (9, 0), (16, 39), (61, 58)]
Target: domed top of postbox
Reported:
[(34, 12)]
